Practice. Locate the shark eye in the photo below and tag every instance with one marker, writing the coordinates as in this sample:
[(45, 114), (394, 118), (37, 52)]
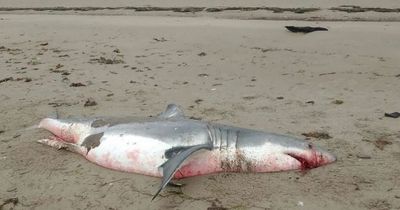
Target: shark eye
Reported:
[(310, 146)]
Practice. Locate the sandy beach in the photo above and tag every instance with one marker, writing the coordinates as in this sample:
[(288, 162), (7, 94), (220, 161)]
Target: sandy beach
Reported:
[(248, 73)]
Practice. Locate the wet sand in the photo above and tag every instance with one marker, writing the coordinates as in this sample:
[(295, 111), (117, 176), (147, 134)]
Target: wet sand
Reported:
[(249, 73)]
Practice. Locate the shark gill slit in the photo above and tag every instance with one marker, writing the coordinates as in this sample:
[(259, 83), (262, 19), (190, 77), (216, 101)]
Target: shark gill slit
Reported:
[(219, 137), (211, 135)]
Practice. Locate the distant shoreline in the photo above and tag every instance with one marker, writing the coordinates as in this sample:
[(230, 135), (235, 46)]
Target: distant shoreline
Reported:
[(341, 13)]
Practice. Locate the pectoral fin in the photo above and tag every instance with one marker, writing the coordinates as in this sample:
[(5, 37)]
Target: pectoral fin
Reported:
[(171, 166)]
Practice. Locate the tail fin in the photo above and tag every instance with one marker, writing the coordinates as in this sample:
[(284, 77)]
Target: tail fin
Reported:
[(55, 115), (63, 145), (60, 128)]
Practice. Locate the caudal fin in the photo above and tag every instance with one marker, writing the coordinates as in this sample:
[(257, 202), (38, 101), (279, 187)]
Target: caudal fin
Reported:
[(59, 144)]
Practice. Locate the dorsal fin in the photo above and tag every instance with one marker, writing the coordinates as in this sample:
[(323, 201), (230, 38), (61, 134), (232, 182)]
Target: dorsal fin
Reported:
[(172, 111)]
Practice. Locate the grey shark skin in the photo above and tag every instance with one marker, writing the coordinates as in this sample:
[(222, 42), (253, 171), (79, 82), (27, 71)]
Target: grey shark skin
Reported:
[(181, 147)]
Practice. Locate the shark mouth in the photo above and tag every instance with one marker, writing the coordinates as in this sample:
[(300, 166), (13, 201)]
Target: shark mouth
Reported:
[(307, 163)]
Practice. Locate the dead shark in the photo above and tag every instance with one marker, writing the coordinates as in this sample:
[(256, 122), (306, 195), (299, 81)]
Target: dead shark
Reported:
[(171, 145)]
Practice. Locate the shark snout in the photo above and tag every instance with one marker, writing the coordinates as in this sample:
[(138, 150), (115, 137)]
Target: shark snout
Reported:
[(312, 157), (327, 157)]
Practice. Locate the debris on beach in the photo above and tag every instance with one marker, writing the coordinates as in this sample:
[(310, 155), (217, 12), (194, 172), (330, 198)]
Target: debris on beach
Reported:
[(34, 61), (104, 60), (77, 84), (363, 156), (306, 29), (381, 143), (13, 201), (25, 79), (58, 104), (323, 74), (59, 66), (393, 114), (356, 9), (214, 206), (318, 135), (300, 203), (90, 102), (162, 39), (337, 102), (6, 79)]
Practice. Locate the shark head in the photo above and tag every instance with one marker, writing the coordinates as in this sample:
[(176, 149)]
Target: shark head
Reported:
[(309, 156), (275, 152)]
